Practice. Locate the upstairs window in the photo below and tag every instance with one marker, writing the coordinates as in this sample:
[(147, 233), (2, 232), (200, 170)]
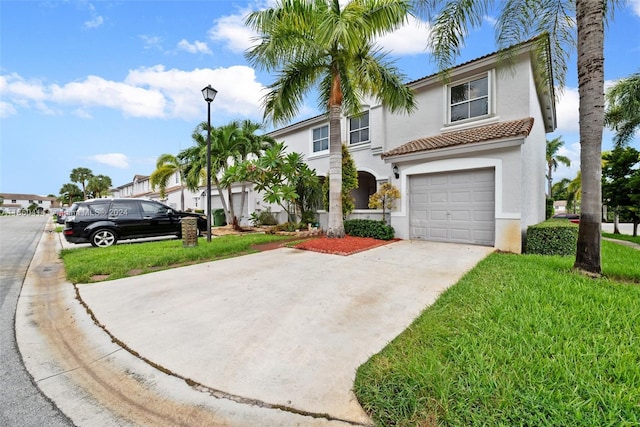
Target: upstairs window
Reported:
[(469, 99), (359, 128), (321, 139)]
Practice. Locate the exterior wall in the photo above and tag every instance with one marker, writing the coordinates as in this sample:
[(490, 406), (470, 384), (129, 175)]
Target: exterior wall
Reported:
[(13, 203)]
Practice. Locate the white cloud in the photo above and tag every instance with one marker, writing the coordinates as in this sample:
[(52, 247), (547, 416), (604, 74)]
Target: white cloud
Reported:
[(567, 111), (6, 109), (635, 6), (195, 47), (410, 39), (116, 160), (95, 91), (232, 32), (150, 92), (151, 42), (96, 20), (490, 20)]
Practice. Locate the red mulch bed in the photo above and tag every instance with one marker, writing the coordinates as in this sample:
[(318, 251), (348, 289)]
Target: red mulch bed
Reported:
[(346, 246)]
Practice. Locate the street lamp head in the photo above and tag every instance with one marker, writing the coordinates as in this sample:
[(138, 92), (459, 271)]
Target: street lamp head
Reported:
[(209, 93)]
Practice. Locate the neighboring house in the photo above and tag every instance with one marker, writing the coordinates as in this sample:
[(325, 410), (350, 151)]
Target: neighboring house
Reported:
[(14, 203), (470, 160)]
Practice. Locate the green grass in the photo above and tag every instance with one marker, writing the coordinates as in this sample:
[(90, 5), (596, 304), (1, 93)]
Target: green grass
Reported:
[(626, 237), (520, 340), (117, 261)]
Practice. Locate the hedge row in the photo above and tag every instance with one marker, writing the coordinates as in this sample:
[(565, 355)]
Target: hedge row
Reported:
[(369, 228)]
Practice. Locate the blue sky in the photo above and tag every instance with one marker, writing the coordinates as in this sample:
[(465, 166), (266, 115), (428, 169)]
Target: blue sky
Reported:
[(111, 85)]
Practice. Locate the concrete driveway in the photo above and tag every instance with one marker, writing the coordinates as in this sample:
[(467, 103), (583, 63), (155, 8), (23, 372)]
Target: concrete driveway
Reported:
[(284, 328)]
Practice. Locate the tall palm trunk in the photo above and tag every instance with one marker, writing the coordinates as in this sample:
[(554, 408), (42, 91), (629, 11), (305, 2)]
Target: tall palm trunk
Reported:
[(590, 21), (336, 225)]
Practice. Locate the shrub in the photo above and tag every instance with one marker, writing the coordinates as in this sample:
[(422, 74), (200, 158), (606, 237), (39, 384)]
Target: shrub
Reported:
[(552, 237), (265, 217), (290, 226), (369, 228)]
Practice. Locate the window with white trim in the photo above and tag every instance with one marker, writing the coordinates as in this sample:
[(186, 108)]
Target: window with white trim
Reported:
[(320, 138), (469, 99), (359, 128)]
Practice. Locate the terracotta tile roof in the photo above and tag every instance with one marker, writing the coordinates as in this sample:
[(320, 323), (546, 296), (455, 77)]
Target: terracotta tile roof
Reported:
[(500, 130)]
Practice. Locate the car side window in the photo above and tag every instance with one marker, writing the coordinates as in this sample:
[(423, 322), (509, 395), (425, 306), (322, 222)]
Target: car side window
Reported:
[(124, 208), (151, 208)]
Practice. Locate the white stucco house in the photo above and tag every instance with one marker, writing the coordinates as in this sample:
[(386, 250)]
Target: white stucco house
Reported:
[(469, 162)]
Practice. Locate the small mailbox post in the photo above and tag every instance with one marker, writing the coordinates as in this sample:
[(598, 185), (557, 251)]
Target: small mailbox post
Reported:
[(189, 232)]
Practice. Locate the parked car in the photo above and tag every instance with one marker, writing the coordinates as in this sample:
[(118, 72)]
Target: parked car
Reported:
[(575, 218), (61, 216), (102, 222)]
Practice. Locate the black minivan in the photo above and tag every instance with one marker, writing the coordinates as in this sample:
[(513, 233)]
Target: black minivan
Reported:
[(102, 222)]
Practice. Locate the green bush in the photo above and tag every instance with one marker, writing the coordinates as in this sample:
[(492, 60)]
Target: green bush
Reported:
[(368, 228), (264, 217), (552, 237)]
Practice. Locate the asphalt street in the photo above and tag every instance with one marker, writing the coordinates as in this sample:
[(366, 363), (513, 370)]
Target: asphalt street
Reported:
[(21, 402)]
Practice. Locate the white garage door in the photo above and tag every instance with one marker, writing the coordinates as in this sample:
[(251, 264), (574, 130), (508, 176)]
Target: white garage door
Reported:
[(453, 207)]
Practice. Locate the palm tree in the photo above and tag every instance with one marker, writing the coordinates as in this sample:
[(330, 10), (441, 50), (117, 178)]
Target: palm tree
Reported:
[(322, 44), (99, 185), (518, 21), (623, 110), (69, 193), (81, 176), (574, 193), (166, 166), (251, 144), (224, 147), (552, 160)]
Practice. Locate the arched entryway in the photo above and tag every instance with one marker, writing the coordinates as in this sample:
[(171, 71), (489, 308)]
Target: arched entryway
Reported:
[(367, 186)]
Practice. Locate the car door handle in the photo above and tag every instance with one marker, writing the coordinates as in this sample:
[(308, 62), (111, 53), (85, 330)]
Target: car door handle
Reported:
[(147, 217)]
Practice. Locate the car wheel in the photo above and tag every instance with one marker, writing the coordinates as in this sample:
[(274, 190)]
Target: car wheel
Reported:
[(103, 238)]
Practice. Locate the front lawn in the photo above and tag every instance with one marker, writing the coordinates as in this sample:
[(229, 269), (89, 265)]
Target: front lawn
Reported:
[(84, 264), (520, 340)]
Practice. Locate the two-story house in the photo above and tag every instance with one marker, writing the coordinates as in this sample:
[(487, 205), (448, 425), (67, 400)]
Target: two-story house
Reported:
[(469, 162)]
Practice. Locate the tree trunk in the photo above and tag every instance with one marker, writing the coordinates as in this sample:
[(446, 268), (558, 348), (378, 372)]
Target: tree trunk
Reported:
[(590, 22), (336, 225), (549, 182), (616, 221)]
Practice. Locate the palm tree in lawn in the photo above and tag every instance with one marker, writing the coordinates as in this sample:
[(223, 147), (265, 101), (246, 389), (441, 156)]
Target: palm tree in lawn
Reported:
[(552, 160), (623, 110), (251, 144), (518, 21), (325, 45), (167, 166), (81, 176)]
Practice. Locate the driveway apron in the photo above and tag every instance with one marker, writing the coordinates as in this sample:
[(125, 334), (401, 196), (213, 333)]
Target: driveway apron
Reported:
[(284, 327)]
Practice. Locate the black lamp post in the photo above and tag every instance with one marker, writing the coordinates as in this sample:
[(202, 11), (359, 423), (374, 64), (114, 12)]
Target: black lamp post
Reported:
[(209, 95)]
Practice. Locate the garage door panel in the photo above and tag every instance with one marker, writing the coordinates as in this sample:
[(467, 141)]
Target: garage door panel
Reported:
[(453, 206), (461, 196)]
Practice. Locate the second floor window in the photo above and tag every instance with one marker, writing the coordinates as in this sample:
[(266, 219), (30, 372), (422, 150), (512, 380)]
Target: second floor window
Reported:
[(359, 128), (321, 139), (469, 99)]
